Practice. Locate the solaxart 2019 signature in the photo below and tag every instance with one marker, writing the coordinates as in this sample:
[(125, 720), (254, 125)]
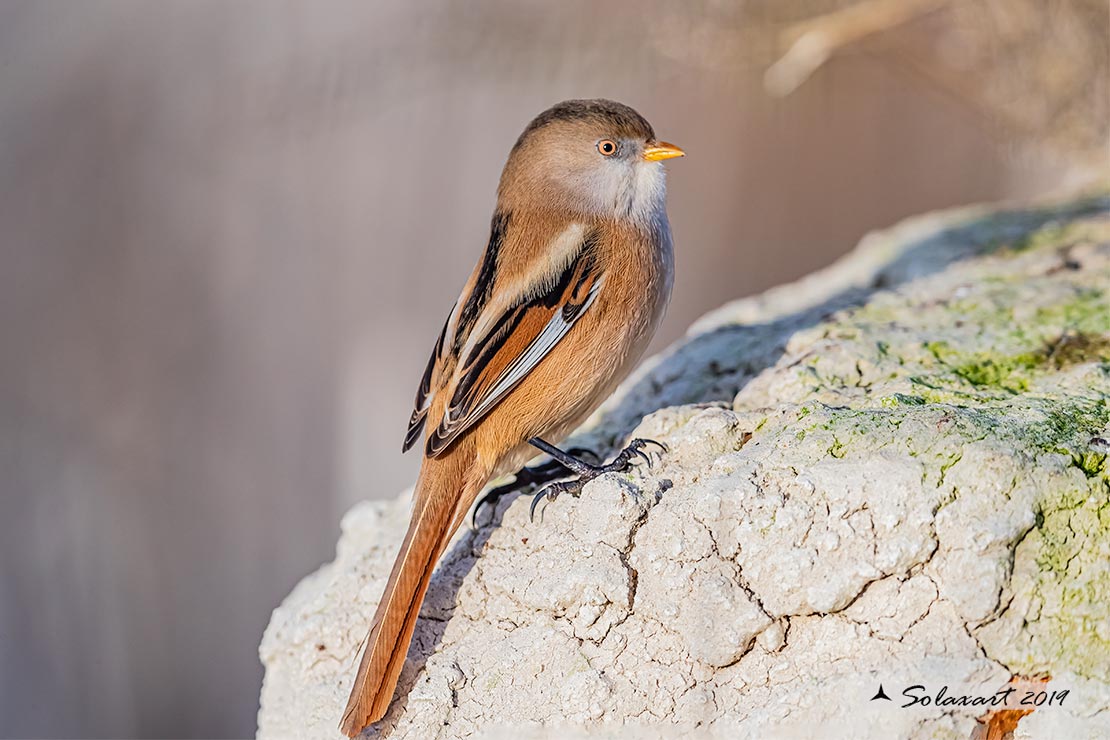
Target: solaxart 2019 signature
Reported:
[(1011, 697)]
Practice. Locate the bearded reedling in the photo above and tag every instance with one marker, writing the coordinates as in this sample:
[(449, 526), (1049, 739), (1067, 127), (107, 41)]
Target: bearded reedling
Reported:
[(570, 290)]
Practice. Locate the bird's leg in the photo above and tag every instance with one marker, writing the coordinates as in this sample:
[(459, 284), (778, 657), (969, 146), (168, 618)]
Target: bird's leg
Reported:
[(568, 461), (586, 472), (536, 475)]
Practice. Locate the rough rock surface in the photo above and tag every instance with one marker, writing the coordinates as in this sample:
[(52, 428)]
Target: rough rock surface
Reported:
[(894, 471)]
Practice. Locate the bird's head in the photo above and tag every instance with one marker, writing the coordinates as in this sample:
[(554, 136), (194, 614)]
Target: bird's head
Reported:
[(590, 157)]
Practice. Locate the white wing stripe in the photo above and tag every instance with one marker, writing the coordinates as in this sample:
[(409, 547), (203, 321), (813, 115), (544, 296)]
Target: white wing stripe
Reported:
[(558, 255), (556, 328)]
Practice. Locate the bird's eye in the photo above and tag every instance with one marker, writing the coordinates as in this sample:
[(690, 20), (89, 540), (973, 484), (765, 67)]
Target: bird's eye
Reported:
[(607, 148)]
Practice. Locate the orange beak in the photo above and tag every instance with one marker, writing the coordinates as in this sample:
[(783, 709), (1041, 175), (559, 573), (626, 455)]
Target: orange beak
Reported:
[(661, 150)]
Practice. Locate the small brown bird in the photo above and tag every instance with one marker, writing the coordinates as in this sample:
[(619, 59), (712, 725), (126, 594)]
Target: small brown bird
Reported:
[(570, 289)]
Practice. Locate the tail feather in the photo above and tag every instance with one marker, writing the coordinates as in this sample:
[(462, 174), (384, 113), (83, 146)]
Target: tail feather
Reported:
[(433, 522)]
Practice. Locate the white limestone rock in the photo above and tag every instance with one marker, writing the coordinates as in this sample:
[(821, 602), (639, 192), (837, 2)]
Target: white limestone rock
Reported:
[(892, 472)]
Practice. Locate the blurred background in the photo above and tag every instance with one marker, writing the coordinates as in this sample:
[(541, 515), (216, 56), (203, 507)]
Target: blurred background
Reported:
[(230, 232)]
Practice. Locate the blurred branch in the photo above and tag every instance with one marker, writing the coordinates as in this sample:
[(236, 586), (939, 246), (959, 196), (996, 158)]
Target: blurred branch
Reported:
[(812, 42), (1039, 69)]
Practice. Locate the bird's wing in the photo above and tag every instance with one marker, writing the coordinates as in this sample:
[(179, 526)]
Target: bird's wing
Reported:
[(499, 339), (424, 392), (475, 295)]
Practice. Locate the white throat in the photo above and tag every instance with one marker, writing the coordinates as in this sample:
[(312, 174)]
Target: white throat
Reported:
[(646, 194)]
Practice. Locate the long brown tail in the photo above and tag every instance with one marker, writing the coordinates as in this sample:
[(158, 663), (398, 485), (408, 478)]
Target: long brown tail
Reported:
[(434, 519)]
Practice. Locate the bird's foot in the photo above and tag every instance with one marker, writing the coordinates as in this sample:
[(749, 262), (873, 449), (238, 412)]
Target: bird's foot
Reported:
[(587, 472), (529, 477)]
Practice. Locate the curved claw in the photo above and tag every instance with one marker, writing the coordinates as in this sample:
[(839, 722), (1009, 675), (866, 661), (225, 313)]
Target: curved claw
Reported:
[(525, 478), (552, 492), (492, 497), (662, 447), (535, 503), (487, 499)]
